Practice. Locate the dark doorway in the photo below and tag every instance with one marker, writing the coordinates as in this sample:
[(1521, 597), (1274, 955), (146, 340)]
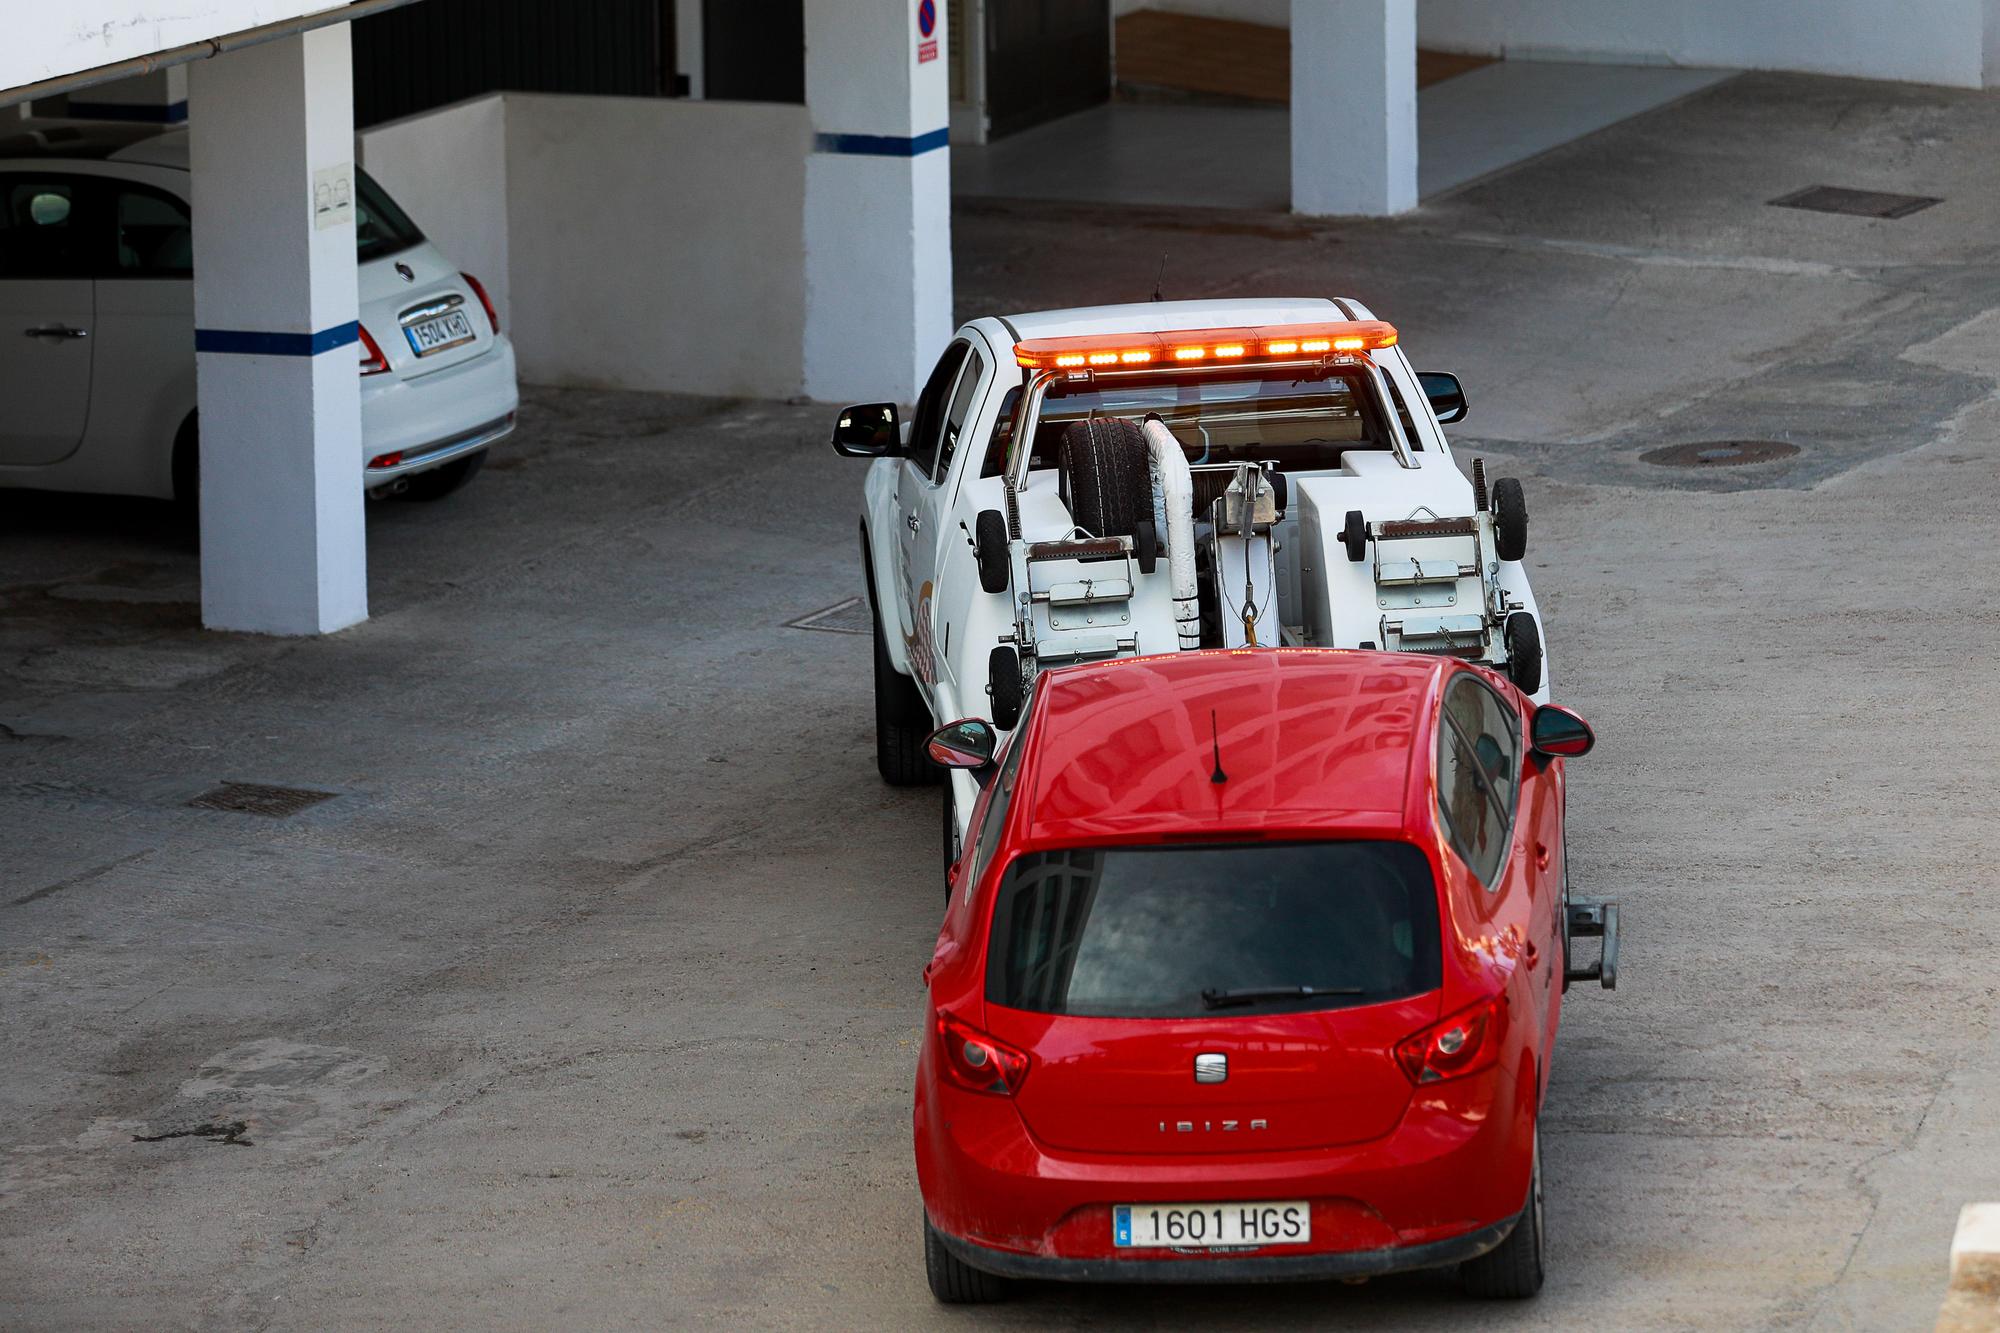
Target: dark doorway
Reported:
[(423, 56), (753, 50), (1044, 58)]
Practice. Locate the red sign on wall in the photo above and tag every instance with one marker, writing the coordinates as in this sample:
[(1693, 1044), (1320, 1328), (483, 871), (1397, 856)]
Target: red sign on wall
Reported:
[(927, 47)]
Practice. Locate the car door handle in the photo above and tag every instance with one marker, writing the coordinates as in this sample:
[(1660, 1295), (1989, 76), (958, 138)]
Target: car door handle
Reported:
[(913, 521), (1541, 856), (55, 331), (1530, 954)]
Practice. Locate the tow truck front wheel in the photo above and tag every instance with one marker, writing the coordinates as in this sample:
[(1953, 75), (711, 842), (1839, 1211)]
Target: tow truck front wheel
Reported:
[(902, 722)]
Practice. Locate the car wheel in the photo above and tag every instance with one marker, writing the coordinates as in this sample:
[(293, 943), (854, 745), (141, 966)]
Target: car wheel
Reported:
[(953, 1281), (1003, 685), (1104, 474), (1524, 652), (989, 547), (442, 481), (902, 723), (1510, 519), (951, 847), (1513, 1270)]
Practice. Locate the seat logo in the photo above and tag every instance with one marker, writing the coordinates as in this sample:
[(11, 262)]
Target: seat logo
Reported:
[(1211, 1067)]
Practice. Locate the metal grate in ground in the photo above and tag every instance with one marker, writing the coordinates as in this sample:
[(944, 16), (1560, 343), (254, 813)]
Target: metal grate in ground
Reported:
[(848, 617), (255, 798), (1856, 203)]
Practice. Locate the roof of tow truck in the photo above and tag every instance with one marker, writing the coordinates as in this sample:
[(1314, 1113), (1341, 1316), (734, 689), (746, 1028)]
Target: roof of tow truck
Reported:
[(1308, 738), (1168, 316)]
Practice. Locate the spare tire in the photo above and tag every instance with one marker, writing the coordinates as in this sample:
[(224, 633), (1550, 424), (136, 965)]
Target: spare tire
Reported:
[(1004, 686), (1104, 475), (1524, 652), (989, 547), (1510, 519)]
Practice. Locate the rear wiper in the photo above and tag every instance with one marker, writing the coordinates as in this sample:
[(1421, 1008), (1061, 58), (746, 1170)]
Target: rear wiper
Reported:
[(1217, 999)]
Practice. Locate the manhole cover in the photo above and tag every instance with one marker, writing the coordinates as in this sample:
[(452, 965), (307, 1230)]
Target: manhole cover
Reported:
[(254, 798), (1856, 203), (848, 617), (1719, 453)]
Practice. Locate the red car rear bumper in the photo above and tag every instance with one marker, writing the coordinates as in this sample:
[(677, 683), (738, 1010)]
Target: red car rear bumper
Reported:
[(1446, 1185)]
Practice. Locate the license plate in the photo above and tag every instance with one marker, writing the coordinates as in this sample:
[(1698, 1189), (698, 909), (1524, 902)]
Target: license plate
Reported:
[(439, 332), (1205, 1225)]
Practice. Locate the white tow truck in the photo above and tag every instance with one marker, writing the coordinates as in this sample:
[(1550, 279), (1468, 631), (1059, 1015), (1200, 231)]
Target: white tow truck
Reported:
[(1076, 485)]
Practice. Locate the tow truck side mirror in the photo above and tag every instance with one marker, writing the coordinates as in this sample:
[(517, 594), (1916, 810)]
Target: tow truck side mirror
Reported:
[(1557, 733), (870, 430), (968, 743), (1446, 394)]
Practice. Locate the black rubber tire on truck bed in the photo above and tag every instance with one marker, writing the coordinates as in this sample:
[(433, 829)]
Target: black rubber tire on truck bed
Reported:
[(1524, 652), (989, 550), (1510, 519), (1104, 474)]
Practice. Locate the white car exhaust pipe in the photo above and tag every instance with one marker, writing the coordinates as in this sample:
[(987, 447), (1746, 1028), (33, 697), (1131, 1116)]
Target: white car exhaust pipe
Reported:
[(1173, 518)]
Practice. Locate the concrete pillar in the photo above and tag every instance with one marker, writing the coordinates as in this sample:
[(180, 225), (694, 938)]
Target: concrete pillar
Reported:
[(1354, 107), (878, 198), (272, 149), (159, 97)]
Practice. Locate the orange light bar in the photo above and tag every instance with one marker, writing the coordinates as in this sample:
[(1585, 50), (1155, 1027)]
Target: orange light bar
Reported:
[(1270, 342)]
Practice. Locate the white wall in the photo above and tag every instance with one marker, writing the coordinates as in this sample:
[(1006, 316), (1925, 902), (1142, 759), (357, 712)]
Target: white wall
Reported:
[(443, 166), (634, 243), (1954, 42), (47, 38), (1922, 41)]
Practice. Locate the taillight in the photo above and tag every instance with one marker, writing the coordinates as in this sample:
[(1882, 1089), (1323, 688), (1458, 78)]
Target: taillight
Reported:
[(372, 360), (978, 1063), (479, 290), (1464, 1043)]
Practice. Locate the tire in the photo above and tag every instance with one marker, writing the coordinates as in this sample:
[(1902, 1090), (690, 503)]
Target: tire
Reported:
[(442, 481), (902, 723), (1354, 536), (1146, 546), (1104, 473), (1513, 1270), (1510, 519), (1003, 683), (954, 1282), (989, 549), (950, 834), (187, 470), (1524, 652)]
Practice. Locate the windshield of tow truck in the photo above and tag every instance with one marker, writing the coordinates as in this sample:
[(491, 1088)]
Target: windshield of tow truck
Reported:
[(1303, 425)]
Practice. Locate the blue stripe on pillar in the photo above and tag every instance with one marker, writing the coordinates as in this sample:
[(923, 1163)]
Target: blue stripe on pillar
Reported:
[(880, 145), (254, 343), (167, 113)]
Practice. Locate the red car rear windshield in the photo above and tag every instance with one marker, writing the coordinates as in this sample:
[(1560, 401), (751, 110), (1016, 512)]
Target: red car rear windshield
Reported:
[(1203, 931)]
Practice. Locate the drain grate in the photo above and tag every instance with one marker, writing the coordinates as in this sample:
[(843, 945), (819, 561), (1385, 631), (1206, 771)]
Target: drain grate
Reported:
[(1856, 203), (1720, 453), (254, 798), (848, 617)]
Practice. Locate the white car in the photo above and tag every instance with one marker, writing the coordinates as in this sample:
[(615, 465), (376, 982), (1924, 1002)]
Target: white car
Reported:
[(1111, 482), (97, 354)]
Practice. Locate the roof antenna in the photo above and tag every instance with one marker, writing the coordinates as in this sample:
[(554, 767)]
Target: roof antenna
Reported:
[(1159, 277), (1215, 742)]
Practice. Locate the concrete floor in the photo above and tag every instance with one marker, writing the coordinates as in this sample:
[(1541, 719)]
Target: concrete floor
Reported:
[(1240, 156), (590, 999)]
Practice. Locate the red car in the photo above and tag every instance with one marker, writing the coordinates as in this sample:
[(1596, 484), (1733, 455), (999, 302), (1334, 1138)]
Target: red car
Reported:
[(1251, 971)]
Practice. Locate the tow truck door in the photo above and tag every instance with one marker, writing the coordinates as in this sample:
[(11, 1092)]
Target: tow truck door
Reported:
[(924, 494)]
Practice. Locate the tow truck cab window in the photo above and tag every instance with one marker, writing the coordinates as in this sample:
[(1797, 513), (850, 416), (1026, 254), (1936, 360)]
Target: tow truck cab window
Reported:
[(1478, 772), (928, 424), (961, 405)]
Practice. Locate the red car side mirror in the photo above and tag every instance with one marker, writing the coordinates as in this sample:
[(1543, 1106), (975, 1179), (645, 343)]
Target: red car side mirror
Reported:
[(1557, 733)]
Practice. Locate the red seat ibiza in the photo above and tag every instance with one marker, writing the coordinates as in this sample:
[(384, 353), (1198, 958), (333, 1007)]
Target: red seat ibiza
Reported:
[(1251, 971)]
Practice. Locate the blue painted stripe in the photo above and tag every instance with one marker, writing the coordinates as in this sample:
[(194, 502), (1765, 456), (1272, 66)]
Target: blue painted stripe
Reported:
[(251, 342), (880, 145), (172, 113)]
